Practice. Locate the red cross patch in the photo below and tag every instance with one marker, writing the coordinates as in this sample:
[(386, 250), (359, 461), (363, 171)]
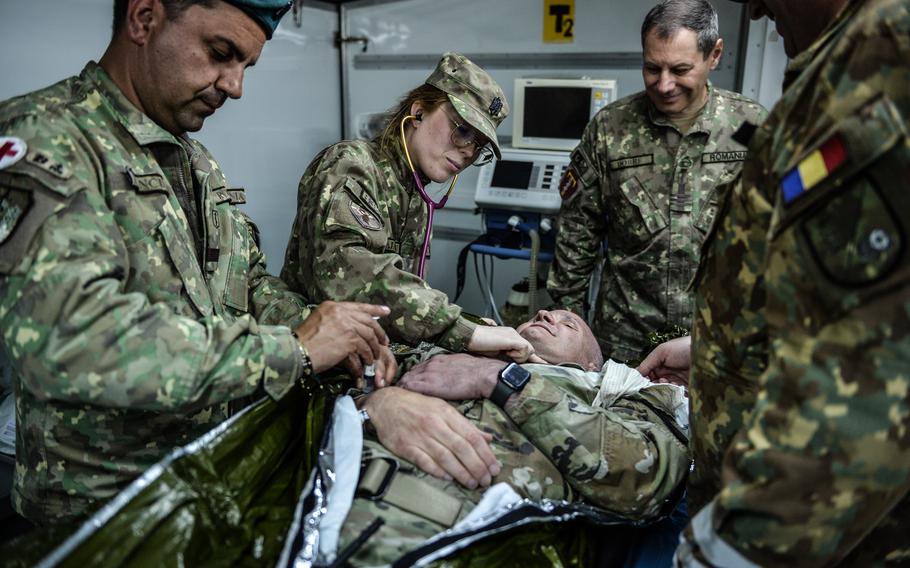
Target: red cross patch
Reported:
[(11, 151)]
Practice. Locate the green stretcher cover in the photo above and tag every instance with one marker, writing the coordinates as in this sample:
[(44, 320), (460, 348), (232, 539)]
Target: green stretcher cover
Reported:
[(228, 499)]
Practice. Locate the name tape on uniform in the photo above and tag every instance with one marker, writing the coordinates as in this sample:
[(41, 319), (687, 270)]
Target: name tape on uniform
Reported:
[(632, 162), (722, 157)]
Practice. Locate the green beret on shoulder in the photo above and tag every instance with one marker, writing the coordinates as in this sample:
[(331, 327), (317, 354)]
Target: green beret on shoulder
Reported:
[(267, 13)]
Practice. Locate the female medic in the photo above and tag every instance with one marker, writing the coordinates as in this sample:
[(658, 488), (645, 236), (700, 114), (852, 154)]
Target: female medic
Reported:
[(364, 220)]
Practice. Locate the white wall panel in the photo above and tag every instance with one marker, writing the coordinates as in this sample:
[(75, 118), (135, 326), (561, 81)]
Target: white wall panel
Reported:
[(765, 64), (49, 40)]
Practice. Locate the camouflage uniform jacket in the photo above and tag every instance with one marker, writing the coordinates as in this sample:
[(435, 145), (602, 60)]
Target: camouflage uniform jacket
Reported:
[(801, 342), (652, 194), (553, 444), (357, 236), (124, 343)]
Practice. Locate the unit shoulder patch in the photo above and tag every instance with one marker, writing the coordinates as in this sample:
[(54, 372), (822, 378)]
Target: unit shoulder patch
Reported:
[(580, 172), (568, 185), (364, 217)]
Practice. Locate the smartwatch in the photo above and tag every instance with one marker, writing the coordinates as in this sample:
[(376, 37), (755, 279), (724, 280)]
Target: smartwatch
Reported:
[(512, 379)]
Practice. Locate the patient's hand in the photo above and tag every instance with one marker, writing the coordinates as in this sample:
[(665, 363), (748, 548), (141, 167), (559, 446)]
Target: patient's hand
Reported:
[(454, 377), (669, 362), (433, 435), (496, 341)]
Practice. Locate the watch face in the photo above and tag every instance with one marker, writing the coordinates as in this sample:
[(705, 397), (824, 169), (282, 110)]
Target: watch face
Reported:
[(515, 376)]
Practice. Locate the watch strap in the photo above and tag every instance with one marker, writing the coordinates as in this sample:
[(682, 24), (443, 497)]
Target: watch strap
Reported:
[(501, 393)]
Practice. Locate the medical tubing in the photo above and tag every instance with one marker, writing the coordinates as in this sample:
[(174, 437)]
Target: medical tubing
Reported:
[(532, 272), (431, 210), (518, 223), (432, 206)]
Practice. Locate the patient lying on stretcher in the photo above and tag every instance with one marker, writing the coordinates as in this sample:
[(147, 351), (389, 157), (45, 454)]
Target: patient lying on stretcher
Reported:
[(579, 431)]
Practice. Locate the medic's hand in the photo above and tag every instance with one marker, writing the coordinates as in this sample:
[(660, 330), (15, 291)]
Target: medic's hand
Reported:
[(454, 377), (669, 362), (496, 341), (337, 331), (385, 367), (433, 435)]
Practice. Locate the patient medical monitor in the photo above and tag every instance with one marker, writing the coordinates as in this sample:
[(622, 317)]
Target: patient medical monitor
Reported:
[(551, 114), (524, 180)]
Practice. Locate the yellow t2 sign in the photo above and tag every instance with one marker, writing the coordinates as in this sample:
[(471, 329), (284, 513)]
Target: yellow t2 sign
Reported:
[(558, 21)]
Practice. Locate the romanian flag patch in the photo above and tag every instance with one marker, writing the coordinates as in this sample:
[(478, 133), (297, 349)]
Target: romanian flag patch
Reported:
[(814, 169)]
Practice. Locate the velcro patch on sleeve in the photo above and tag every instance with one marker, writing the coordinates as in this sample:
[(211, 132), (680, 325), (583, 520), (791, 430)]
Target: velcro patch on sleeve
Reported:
[(13, 207), (24, 207), (580, 172)]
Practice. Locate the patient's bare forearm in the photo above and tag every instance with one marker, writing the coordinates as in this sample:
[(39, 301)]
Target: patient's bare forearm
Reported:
[(457, 376)]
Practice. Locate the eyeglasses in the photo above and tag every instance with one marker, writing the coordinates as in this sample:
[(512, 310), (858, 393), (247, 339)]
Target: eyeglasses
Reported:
[(463, 135)]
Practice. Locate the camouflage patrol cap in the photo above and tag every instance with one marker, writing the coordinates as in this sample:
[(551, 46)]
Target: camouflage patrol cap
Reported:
[(267, 13), (474, 94)]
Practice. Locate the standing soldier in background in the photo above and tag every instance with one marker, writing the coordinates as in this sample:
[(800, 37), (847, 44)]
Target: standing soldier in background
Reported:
[(646, 177), (800, 402), (134, 301)]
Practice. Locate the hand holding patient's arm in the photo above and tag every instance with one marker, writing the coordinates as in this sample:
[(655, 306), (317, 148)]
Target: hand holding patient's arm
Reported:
[(669, 362), (454, 377), (433, 435)]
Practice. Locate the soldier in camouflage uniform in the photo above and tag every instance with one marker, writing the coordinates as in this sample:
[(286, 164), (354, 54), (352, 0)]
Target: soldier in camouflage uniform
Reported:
[(562, 437), (134, 301), (647, 177), (361, 221), (800, 354)]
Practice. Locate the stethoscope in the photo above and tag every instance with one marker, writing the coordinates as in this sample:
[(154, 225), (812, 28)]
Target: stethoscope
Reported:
[(432, 206)]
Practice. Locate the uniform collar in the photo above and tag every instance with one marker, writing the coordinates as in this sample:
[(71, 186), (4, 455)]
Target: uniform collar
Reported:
[(143, 129), (396, 160), (802, 61), (705, 120)]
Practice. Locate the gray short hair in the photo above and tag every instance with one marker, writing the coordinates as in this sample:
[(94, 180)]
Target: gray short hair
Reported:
[(670, 16), (173, 9)]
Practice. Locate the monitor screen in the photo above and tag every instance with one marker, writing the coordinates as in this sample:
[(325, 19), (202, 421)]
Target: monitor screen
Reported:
[(556, 112), (512, 174)]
